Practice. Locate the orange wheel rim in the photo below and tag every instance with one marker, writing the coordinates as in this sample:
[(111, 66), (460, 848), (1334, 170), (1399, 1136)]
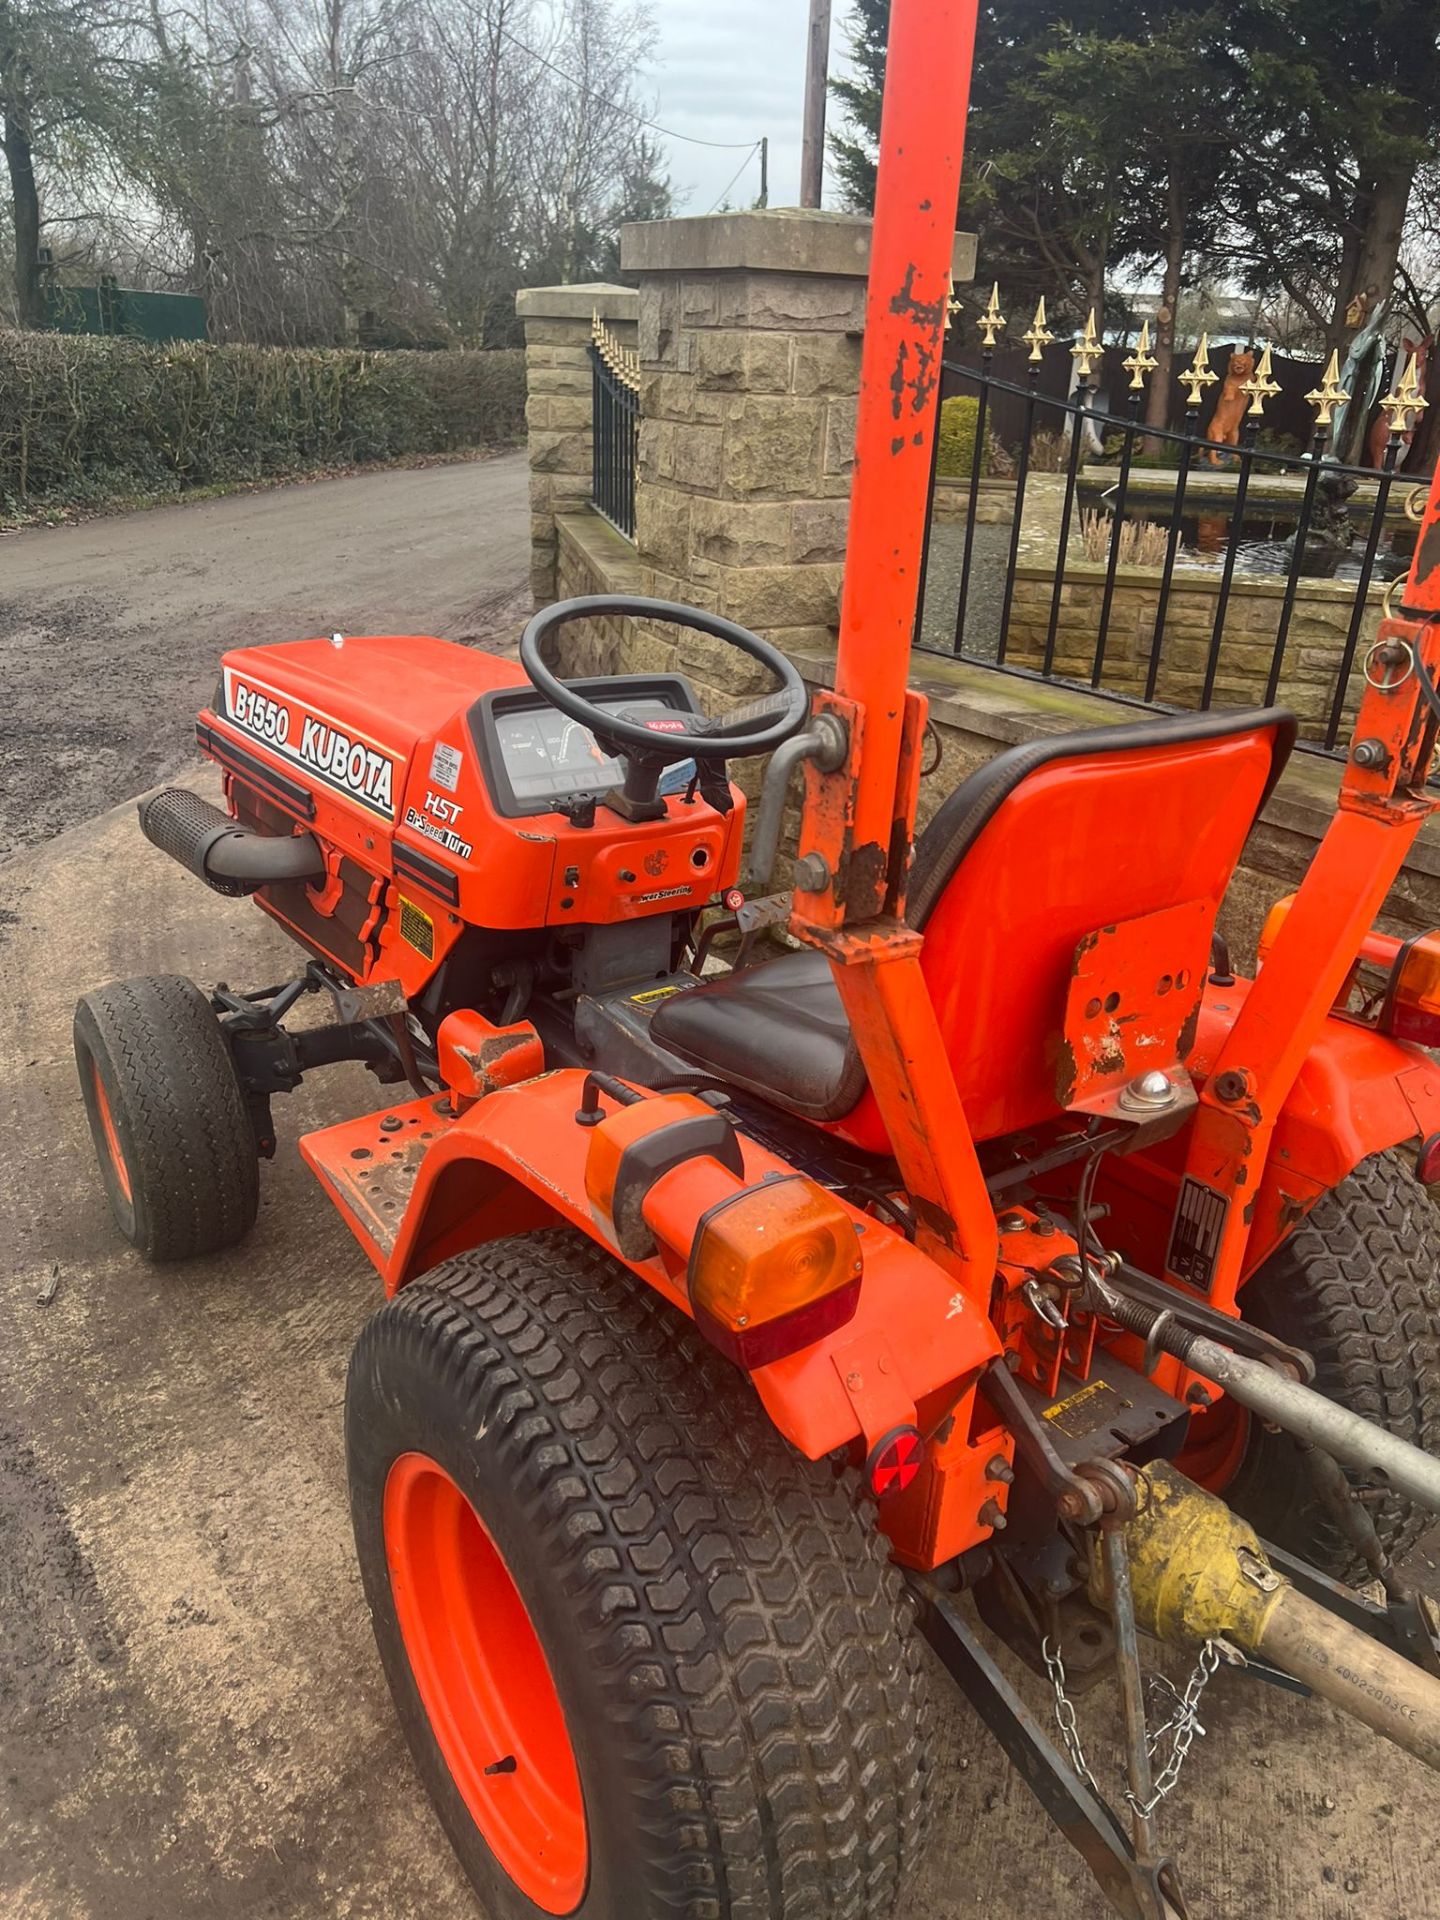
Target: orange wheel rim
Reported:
[(107, 1129), (485, 1684)]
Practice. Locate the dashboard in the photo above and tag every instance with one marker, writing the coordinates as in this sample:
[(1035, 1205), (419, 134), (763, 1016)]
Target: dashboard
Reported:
[(536, 758)]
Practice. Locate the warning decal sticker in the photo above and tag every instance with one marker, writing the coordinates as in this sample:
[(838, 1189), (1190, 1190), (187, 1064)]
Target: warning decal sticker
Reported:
[(1195, 1236), (1086, 1411), (335, 755), (417, 928)]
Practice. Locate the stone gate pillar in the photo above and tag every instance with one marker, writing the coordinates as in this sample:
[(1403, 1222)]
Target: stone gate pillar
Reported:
[(750, 327), (557, 324)]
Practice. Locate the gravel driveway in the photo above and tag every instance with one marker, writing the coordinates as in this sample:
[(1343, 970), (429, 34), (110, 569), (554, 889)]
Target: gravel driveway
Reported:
[(110, 630)]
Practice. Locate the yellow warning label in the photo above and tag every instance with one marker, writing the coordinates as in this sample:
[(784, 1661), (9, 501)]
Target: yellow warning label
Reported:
[(1086, 1410), (417, 928), (654, 993)]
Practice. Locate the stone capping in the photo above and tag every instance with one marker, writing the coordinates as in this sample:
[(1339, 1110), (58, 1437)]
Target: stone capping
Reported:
[(607, 554), (578, 302), (777, 240)]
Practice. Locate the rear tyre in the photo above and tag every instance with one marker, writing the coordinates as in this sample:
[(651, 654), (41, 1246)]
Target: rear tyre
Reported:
[(649, 1661), (1356, 1286), (169, 1122)]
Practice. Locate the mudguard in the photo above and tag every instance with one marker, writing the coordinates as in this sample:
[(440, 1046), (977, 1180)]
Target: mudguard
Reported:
[(516, 1160)]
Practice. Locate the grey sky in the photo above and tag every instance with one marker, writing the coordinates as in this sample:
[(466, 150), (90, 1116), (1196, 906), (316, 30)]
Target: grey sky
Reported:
[(733, 70)]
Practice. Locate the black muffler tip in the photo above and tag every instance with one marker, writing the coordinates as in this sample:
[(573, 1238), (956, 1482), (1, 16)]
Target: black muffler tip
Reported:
[(229, 858)]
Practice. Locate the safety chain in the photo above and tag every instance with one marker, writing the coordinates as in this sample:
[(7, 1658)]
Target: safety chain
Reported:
[(1065, 1712), (1181, 1727)]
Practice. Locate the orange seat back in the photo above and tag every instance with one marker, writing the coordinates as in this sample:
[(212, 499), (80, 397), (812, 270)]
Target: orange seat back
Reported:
[(1050, 843)]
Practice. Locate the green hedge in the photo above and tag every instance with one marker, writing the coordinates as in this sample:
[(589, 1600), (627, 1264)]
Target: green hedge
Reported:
[(958, 417), (85, 420)]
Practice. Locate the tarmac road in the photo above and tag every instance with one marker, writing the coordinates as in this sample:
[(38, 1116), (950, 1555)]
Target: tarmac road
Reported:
[(192, 1717), (110, 630)]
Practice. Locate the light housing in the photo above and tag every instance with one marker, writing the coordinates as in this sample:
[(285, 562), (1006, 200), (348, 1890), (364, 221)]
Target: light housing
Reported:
[(773, 1268), (1410, 1007)]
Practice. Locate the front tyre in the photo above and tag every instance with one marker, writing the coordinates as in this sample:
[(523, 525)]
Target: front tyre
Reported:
[(648, 1660), (167, 1116)]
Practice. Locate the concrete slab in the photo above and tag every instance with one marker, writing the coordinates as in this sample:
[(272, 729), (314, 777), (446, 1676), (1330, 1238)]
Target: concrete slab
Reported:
[(192, 1718)]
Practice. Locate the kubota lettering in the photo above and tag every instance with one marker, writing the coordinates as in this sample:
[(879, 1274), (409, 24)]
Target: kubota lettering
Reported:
[(351, 762)]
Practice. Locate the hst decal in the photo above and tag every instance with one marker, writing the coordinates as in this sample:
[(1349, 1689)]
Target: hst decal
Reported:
[(340, 758)]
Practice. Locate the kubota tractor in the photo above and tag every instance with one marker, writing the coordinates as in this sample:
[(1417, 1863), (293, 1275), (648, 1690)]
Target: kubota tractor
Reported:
[(997, 1255)]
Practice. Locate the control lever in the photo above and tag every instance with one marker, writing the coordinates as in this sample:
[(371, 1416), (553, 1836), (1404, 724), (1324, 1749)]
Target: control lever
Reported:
[(826, 741)]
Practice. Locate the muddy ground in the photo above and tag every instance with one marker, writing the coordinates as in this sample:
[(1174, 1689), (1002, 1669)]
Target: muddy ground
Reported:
[(110, 630), (192, 1717)]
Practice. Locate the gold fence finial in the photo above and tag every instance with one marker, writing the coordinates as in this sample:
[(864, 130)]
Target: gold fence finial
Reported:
[(1405, 398), (1261, 386), (1087, 350), (1328, 395), (622, 362), (1141, 361), (1039, 335), (953, 308), (1199, 374), (992, 319)]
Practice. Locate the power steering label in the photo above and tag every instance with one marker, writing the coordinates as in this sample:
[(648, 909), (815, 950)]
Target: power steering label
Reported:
[(336, 755)]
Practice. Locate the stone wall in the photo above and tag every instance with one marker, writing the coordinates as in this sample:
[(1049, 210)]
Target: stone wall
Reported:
[(977, 713), (750, 330), (591, 557), (994, 502), (557, 322), (1315, 640)]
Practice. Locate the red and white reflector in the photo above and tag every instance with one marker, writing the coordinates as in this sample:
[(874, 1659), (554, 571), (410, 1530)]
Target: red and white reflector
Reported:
[(894, 1461)]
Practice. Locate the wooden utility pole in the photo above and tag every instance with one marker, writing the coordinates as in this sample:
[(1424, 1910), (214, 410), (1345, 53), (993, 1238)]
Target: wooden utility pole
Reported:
[(817, 71)]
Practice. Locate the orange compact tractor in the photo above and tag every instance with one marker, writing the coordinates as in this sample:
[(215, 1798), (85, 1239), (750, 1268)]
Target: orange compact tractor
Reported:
[(995, 1262)]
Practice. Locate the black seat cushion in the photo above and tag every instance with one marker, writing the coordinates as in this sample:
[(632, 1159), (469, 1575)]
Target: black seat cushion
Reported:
[(779, 1029)]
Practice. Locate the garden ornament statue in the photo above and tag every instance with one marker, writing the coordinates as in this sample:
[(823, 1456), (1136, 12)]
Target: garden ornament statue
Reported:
[(1224, 428), (1362, 377)]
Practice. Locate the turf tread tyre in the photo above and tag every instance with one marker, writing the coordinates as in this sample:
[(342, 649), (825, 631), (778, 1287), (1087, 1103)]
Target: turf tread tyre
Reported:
[(1356, 1286), (735, 1645), (186, 1135)]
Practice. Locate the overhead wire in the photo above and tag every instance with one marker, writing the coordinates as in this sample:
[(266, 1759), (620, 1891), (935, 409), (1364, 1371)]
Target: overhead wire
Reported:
[(736, 175), (730, 146)]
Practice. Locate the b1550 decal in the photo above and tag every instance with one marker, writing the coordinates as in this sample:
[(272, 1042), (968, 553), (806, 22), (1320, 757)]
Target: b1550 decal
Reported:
[(313, 741)]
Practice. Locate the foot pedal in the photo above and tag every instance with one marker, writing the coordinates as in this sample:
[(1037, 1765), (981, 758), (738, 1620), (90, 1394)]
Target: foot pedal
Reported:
[(369, 1167)]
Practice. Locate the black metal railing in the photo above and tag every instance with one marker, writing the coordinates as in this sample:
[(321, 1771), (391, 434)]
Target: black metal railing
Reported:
[(1156, 566), (615, 436)]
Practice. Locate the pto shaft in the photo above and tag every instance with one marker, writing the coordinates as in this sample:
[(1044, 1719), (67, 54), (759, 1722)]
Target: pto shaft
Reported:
[(1373, 1683), (1198, 1573)]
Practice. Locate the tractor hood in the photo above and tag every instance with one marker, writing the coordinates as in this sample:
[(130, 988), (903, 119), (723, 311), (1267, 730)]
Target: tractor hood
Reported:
[(347, 714)]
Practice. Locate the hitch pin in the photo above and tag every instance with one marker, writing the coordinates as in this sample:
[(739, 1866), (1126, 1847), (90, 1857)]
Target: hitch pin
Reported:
[(1035, 1297)]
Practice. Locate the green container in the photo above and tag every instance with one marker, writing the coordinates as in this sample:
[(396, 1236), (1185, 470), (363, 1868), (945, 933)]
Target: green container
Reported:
[(112, 309)]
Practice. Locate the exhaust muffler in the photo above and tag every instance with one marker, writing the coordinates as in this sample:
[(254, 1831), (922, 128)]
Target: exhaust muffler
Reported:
[(216, 849)]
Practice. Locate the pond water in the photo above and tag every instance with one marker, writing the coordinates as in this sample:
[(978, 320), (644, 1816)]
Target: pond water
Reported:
[(1266, 543)]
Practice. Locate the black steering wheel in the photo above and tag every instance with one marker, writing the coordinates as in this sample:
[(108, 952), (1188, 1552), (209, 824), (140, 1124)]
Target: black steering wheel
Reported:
[(647, 748)]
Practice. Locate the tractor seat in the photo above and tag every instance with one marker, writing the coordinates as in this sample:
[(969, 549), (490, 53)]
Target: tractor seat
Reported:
[(1030, 854)]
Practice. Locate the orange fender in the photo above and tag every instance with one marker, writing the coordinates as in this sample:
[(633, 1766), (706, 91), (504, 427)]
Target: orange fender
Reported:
[(516, 1160)]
